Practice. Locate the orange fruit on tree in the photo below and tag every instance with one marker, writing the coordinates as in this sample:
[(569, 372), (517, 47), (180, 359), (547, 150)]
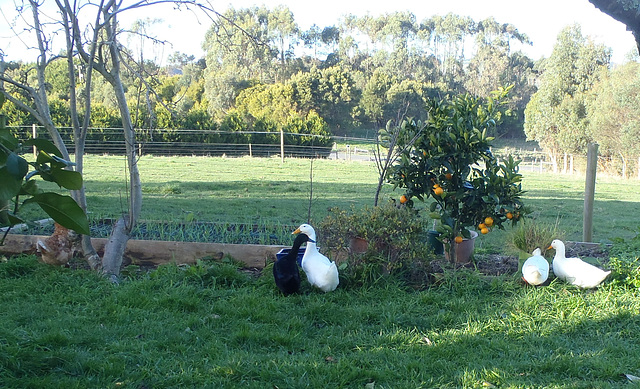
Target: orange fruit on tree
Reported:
[(458, 239), (481, 226), (448, 176), (435, 186), (484, 231), (438, 191), (509, 215), (403, 199), (488, 221)]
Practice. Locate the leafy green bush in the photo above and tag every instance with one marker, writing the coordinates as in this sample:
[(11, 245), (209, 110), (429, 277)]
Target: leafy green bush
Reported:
[(396, 242), (625, 271), (624, 262)]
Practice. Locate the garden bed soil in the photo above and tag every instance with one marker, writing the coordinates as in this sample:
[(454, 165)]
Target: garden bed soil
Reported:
[(498, 264)]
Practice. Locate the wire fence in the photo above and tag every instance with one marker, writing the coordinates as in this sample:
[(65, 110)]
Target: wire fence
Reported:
[(194, 142), (283, 144), (542, 162)]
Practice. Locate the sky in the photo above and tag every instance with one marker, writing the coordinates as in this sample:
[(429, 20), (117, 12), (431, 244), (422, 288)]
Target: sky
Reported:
[(541, 20)]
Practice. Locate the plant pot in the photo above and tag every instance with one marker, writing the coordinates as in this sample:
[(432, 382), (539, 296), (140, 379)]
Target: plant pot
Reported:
[(434, 244), (464, 249), (358, 245)]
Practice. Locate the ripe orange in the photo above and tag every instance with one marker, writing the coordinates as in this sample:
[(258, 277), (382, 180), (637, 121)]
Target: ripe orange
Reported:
[(481, 226), (448, 176), (436, 186), (403, 199), (438, 191), (509, 215), (484, 231), (458, 239), (488, 221)]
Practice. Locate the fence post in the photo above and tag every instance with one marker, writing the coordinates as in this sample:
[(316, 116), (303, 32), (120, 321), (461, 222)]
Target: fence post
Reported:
[(571, 165), (282, 145), (250, 152), (34, 133), (589, 191)]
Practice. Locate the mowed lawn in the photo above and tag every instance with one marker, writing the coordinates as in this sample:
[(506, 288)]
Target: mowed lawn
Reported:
[(265, 190), (211, 326)]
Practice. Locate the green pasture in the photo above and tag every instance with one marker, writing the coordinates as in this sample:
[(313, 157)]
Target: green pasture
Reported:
[(265, 191)]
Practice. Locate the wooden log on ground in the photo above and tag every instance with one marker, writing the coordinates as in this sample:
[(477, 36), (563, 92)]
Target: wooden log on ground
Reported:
[(156, 252)]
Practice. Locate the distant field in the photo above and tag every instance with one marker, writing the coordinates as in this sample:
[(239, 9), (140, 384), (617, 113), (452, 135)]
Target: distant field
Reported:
[(266, 191)]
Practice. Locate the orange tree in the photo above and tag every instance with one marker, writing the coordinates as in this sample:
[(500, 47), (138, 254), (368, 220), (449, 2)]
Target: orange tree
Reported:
[(452, 163)]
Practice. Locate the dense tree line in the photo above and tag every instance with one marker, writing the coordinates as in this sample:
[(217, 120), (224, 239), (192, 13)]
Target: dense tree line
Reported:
[(268, 75), (582, 99), (358, 74)]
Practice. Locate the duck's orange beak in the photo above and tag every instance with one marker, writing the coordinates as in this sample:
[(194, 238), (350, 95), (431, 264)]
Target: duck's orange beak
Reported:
[(549, 248), (297, 231)]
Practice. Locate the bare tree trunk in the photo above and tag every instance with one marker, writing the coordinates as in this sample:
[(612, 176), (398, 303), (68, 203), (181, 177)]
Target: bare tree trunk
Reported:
[(40, 97), (114, 249), (79, 132)]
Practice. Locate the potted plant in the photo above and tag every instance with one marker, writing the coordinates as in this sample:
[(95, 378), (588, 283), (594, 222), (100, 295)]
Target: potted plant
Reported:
[(451, 163), (393, 235)]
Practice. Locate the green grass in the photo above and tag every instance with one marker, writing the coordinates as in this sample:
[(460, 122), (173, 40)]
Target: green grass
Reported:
[(263, 191), (209, 326)]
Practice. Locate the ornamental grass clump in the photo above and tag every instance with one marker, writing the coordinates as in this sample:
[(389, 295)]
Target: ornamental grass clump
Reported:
[(451, 163)]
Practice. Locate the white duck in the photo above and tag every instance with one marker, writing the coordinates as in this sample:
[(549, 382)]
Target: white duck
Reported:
[(535, 270), (574, 270), (321, 272)]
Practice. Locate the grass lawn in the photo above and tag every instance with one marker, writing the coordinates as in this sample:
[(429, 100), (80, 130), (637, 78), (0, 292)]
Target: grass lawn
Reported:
[(209, 326), (263, 191)]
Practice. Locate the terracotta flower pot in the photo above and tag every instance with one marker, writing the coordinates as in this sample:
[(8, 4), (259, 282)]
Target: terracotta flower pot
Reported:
[(358, 245), (464, 249)]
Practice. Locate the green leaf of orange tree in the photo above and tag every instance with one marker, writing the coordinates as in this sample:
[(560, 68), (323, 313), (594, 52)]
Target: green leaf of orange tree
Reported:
[(10, 185), (7, 140), (63, 209), (67, 178), (17, 166), (43, 145)]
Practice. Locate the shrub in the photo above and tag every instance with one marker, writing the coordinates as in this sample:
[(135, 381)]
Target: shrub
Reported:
[(396, 242), (625, 262)]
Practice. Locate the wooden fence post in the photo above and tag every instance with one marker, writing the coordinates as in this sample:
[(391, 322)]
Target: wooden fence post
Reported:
[(571, 165), (589, 191), (34, 134), (282, 145)]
